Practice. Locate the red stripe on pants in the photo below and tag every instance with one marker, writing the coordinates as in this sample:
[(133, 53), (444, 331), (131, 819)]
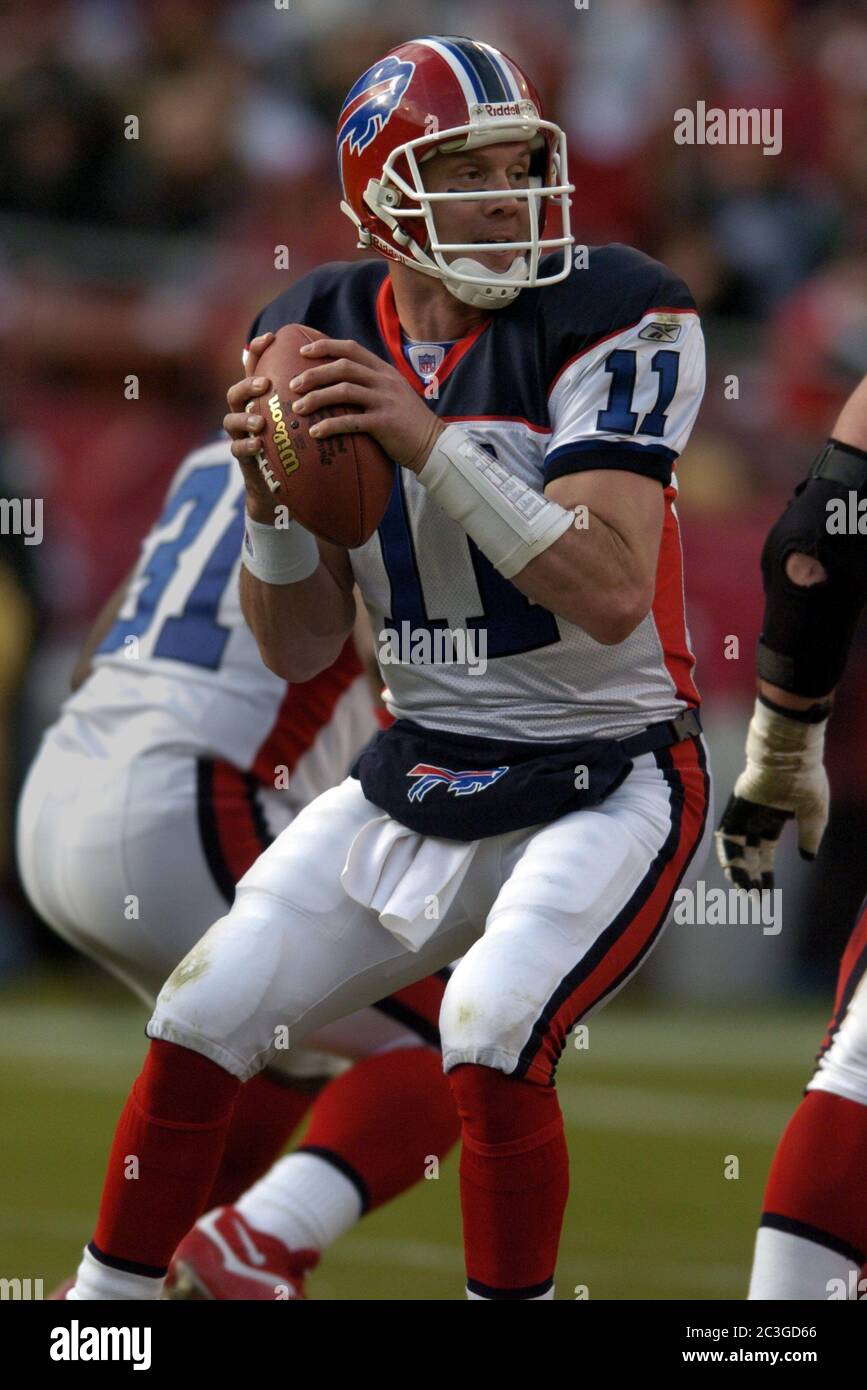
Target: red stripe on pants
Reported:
[(635, 935), (239, 836)]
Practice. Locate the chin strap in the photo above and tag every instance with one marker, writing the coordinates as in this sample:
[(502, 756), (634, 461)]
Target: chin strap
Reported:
[(498, 296), (511, 281)]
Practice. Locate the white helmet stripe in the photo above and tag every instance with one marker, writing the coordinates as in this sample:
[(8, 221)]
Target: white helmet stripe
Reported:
[(504, 69), (456, 66)]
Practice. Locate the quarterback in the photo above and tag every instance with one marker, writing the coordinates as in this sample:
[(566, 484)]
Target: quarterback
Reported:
[(535, 818)]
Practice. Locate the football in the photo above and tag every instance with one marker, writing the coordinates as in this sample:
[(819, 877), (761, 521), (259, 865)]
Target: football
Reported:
[(337, 487)]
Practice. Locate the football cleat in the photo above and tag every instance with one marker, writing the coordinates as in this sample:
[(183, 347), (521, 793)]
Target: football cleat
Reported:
[(225, 1258)]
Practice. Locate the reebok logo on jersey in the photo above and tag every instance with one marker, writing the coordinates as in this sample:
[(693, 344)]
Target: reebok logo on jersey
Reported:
[(660, 332), (461, 783)]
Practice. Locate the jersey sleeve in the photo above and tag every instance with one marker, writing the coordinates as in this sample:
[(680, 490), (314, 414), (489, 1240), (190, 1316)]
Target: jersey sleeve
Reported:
[(303, 302), (629, 400)]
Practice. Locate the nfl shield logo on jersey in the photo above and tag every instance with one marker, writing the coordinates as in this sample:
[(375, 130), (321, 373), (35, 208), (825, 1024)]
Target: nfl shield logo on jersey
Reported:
[(461, 783), (426, 358)]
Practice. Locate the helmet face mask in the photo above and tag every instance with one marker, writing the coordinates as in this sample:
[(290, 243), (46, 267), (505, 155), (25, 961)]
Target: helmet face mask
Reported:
[(392, 209)]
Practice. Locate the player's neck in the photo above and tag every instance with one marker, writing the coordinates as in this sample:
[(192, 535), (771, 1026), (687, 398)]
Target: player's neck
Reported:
[(427, 311)]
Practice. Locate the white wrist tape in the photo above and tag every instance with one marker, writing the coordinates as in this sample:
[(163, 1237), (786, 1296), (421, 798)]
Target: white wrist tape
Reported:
[(785, 749), (509, 522), (278, 555)]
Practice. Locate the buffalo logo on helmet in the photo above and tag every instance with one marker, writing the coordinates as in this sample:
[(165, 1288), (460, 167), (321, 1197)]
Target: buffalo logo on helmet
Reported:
[(382, 88)]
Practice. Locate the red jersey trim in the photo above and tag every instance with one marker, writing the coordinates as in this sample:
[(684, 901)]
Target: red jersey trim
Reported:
[(669, 608), (389, 330)]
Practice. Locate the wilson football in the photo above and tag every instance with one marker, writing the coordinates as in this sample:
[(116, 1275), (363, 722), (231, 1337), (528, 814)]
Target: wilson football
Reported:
[(337, 487)]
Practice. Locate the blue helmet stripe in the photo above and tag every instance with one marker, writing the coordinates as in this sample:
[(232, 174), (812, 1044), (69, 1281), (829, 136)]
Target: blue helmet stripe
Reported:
[(513, 91), (484, 78), (477, 61)]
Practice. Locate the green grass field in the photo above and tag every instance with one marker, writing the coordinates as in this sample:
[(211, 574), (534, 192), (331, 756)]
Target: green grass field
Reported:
[(654, 1107)]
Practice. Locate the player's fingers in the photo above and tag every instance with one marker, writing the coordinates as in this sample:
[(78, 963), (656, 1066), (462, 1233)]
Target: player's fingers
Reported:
[(341, 393), (344, 369), (739, 859), (242, 391), (341, 347), (254, 351), (730, 849), (767, 855), (340, 424), (238, 424), (244, 449), (740, 878)]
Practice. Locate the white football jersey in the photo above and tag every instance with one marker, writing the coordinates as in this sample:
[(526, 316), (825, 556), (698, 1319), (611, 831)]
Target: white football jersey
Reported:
[(604, 370), (180, 669)]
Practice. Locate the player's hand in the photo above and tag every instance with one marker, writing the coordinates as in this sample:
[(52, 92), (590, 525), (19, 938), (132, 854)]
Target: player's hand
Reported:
[(387, 407), (784, 779), (239, 425)]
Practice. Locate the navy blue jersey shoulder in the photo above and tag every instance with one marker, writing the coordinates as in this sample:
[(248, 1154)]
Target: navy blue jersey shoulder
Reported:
[(510, 367), (615, 290), (336, 298)]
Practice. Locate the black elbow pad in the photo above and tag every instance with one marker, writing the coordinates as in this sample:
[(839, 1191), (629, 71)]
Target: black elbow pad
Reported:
[(807, 630)]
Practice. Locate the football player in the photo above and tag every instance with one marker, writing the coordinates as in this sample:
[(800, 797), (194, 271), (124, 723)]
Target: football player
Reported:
[(812, 1241), (177, 760), (534, 812)]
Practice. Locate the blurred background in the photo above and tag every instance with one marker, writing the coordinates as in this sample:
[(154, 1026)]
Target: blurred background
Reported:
[(149, 257)]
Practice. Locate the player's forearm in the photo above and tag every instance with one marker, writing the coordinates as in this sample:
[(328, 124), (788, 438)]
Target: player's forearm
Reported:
[(591, 578), (596, 573), (299, 628)]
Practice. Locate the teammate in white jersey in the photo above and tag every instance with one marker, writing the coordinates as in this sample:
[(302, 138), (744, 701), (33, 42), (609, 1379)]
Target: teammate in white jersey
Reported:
[(535, 812), (177, 760)]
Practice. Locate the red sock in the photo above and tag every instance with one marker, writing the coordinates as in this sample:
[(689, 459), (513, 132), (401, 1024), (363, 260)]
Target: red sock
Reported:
[(514, 1181), (174, 1125), (817, 1176), (381, 1121), (266, 1114)]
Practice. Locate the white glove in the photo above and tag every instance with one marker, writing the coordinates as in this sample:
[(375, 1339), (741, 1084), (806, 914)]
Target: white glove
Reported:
[(784, 777)]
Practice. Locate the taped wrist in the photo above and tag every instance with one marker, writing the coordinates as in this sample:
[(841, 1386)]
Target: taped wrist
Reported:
[(807, 629), (278, 555), (783, 745), (509, 522)]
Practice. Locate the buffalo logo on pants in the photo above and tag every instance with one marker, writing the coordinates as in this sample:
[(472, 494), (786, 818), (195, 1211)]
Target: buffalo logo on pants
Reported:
[(461, 783)]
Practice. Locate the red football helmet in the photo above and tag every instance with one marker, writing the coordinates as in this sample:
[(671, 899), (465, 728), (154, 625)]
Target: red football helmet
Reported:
[(447, 95)]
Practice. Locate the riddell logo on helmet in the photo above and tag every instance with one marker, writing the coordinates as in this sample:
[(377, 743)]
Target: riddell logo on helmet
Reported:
[(282, 442), (504, 108)]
